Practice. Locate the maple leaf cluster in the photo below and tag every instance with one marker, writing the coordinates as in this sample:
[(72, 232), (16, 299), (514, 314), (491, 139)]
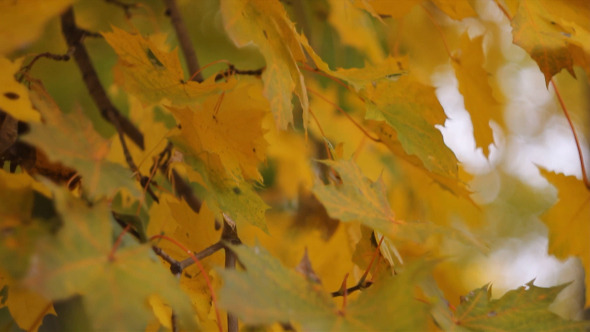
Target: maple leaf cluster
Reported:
[(293, 175)]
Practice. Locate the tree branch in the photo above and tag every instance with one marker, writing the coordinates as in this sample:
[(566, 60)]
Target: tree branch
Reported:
[(188, 50), (230, 235), (359, 286), (74, 36), (210, 250)]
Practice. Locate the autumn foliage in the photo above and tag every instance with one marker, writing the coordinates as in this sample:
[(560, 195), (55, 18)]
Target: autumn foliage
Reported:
[(281, 165)]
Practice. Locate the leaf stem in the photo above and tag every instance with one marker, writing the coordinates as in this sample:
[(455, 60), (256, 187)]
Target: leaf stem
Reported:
[(344, 292), (184, 39), (201, 268), (573, 129)]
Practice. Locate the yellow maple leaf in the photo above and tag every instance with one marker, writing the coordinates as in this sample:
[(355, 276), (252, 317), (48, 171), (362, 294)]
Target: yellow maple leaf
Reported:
[(387, 69), (265, 23), (535, 30), (26, 307), (229, 126), (568, 221), (14, 98), (477, 92), (291, 153), (355, 29), (152, 74), (21, 22), (395, 9), (456, 9)]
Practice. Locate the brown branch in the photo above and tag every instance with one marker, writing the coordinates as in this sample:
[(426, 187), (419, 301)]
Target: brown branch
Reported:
[(184, 39), (174, 264), (230, 235), (74, 36), (359, 286), (183, 190), (210, 250)]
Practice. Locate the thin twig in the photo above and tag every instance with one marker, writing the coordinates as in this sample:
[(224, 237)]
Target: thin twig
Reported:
[(52, 56), (184, 39), (74, 36)]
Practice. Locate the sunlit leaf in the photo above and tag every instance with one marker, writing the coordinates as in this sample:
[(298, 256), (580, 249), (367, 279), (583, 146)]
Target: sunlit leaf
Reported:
[(568, 218), (477, 93), (536, 30)]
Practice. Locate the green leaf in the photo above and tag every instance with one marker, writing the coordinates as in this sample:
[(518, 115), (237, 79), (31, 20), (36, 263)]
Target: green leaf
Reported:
[(237, 199), (115, 292), (71, 140), (522, 309), (412, 110), (267, 292), (357, 198)]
